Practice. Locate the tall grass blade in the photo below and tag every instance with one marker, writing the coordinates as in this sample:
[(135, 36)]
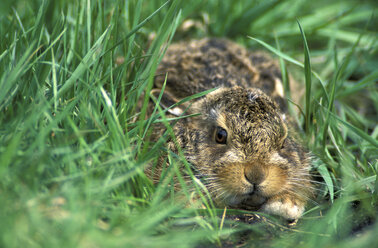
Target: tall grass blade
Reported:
[(308, 81), (291, 60), (93, 55)]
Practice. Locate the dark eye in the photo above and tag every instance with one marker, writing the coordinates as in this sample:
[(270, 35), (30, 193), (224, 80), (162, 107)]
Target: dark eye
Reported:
[(220, 135)]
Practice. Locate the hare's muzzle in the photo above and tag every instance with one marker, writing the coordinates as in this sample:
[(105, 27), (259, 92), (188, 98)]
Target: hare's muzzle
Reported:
[(267, 180)]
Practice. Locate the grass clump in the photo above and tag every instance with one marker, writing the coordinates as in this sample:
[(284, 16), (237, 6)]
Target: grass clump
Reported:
[(73, 133)]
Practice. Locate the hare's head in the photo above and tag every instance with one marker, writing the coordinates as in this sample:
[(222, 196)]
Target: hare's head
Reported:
[(241, 148)]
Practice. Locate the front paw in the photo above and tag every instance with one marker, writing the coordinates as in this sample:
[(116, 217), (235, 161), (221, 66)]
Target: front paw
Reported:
[(284, 208)]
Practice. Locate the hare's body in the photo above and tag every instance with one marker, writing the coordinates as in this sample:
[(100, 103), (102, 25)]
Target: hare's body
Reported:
[(204, 64), (242, 145)]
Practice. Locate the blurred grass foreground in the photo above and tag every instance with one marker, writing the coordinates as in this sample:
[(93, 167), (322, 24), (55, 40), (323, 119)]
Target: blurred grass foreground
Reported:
[(73, 143)]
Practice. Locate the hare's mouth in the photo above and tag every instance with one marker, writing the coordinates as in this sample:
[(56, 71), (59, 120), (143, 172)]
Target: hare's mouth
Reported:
[(249, 201), (251, 204), (255, 199)]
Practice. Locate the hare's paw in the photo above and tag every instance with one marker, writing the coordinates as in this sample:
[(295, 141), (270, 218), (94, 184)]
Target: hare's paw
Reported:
[(285, 208)]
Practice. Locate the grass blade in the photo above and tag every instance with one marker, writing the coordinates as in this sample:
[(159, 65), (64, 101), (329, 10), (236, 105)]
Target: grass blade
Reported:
[(93, 55), (291, 60), (307, 69)]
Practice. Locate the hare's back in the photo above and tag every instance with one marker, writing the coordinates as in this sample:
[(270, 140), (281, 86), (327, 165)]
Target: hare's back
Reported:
[(200, 65)]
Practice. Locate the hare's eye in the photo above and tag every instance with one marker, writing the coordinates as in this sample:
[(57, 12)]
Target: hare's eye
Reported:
[(220, 135)]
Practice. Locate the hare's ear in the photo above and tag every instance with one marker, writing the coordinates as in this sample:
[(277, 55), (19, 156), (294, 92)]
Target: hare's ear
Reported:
[(166, 101)]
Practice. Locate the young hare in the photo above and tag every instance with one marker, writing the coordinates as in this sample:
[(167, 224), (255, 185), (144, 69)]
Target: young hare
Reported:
[(242, 146)]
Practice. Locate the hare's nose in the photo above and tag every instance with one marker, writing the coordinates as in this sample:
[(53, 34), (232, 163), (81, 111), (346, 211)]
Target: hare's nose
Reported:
[(253, 175)]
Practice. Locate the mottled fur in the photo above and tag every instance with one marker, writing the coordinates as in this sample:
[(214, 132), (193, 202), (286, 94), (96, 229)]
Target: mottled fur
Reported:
[(262, 165)]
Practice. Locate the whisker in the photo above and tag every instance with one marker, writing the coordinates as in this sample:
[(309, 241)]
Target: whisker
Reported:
[(308, 180), (305, 186)]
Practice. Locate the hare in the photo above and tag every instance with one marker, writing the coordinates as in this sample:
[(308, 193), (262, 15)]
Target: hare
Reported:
[(242, 146)]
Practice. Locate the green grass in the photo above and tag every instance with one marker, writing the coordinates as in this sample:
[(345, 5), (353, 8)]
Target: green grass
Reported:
[(73, 143)]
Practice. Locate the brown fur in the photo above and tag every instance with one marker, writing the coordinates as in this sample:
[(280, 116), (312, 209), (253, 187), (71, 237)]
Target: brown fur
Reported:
[(261, 166)]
